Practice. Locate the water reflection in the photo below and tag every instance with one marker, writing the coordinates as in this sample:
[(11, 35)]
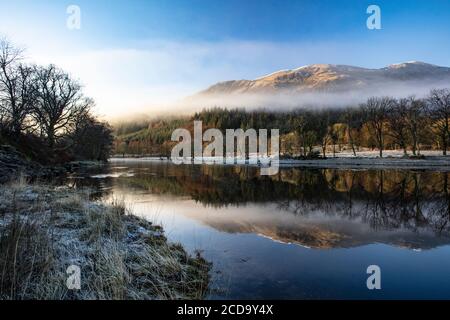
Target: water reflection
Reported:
[(323, 208)]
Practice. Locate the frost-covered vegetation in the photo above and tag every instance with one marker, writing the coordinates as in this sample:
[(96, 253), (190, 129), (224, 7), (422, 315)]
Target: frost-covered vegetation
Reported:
[(45, 229)]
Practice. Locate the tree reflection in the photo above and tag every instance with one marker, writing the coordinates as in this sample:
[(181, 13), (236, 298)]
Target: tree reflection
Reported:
[(382, 199)]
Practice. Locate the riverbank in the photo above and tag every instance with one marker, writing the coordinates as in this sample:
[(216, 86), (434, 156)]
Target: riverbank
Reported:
[(431, 162), (394, 159), (13, 164), (45, 229)]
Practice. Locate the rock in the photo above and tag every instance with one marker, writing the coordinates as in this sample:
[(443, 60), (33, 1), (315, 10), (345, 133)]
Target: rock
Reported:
[(13, 163)]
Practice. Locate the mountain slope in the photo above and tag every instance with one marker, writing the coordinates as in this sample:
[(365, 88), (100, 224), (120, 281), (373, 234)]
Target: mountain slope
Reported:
[(327, 77)]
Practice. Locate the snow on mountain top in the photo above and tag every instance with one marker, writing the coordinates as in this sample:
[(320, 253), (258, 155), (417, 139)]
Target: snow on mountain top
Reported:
[(410, 63), (273, 73), (339, 78)]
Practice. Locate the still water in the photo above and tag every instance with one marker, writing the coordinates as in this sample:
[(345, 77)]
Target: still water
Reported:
[(301, 234)]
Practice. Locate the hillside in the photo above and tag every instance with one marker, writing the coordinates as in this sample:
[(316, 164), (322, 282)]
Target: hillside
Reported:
[(330, 77), (324, 85)]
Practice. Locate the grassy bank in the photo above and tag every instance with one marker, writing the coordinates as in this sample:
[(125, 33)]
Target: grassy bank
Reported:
[(45, 229)]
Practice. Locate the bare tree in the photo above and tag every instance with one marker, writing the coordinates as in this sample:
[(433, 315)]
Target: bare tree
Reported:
[(324, 141), (301, 128), (397, 123), (416, 121), (319, 125), (439, 110), (60, 102), (16, 90), (354, 121), (376, 110)]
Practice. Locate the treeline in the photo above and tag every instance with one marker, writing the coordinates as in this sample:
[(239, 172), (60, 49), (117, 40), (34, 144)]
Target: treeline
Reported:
[(381, 123), (44, 112), (151, 138)]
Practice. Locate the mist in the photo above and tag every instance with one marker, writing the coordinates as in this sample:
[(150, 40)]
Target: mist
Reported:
[(287, 100), (282, 100)]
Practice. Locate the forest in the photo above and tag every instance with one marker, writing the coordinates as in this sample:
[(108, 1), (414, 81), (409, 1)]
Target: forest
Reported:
[(409, 124)]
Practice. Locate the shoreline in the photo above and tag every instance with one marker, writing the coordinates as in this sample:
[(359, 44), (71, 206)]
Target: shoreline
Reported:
[(441, 163), (14, 164), (45, 230), (432, 163)]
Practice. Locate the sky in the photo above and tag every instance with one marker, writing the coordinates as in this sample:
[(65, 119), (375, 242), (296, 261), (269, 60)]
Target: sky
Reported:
[(139, 57)]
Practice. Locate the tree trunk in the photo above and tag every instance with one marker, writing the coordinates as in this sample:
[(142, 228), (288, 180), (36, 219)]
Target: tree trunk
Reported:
[(444, 145), (51, 138), (380, 143), (444, 137), (352, 143), (414, 140), (353, 149)]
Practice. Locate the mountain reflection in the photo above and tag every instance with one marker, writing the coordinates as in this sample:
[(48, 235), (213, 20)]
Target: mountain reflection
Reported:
[(323, 208)]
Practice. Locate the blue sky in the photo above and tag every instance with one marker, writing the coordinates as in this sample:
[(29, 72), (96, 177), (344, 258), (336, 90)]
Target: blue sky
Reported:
[(141, 55)]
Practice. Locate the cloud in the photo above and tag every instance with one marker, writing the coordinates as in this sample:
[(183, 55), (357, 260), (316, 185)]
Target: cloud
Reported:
[(153, 76), (287, 100), (158, 73)]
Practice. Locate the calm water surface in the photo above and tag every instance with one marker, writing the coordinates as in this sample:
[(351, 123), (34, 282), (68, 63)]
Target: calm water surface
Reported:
[(300, 234)]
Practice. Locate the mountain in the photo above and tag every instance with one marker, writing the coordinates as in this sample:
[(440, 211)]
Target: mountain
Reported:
[(327, 84), (333, 77), (317, 230)]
